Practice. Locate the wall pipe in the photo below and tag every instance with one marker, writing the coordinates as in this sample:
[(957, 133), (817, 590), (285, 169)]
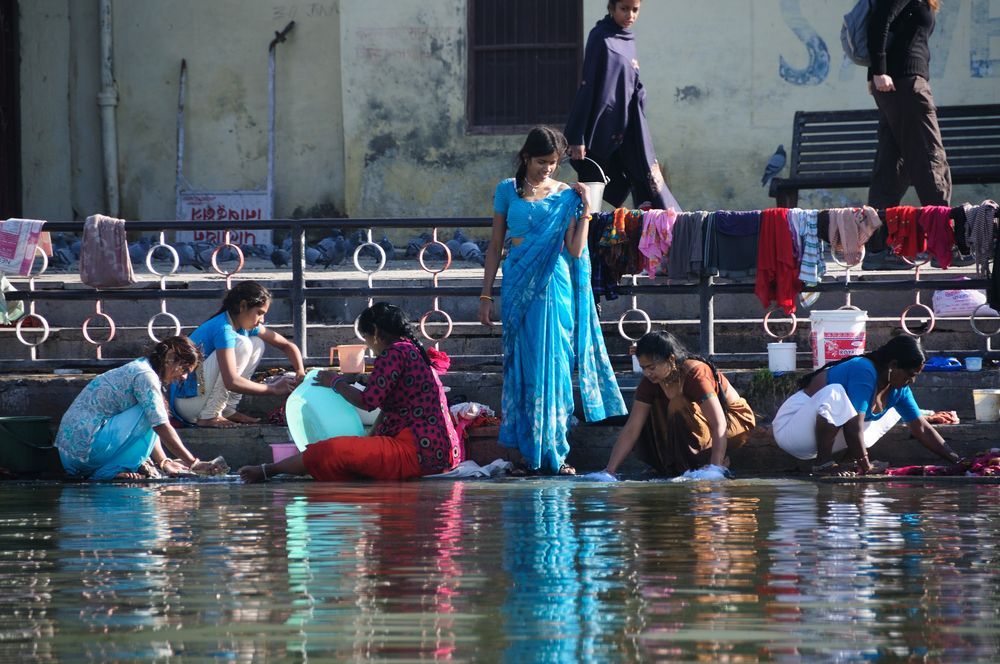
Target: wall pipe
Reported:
[(107, 99)]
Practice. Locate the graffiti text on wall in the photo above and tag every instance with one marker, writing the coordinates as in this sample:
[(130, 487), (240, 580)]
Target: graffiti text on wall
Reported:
[(982, 29)]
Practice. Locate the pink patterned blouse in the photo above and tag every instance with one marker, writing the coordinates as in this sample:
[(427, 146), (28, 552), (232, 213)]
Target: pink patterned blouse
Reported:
[(411, 396)]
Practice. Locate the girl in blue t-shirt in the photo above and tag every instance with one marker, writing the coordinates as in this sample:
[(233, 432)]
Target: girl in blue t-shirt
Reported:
[(850, 404), (232, 343)]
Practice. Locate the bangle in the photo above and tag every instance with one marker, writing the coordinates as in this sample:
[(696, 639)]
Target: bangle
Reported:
[(162, 461), (488, 298), (263, 471), (336, 380)]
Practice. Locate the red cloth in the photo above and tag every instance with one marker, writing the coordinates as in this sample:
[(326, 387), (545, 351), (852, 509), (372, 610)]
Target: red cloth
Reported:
[(346, 458), (777, 271), (935, 220), (906, 237)]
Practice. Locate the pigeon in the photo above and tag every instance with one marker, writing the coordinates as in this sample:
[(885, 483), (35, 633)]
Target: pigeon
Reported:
[(414, 245), (454, 246), (75, 247), (337, 252), (470, 252), (387, 247), (280, 257), (774, 165), (312, 255), (137, 250), (186, 255)]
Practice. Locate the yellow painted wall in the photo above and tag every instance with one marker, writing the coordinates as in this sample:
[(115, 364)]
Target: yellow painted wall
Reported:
[(372, 99)]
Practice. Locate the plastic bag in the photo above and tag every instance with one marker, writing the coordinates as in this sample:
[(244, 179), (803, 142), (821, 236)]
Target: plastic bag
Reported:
[(960, 302), (9, 314)]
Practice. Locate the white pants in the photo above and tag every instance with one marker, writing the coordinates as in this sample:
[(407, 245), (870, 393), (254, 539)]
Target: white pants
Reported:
[(213, 399), (795, 423)]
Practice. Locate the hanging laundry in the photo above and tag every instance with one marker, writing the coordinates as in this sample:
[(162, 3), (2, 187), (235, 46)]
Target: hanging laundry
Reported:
[(635, 261), (935, 220), (657, 235), (850, 228), (732, 243), (777, 271), (601, 285), (685, 260), (905, 236), (104, 260), (805, 230), (979, 231), (18, 239)]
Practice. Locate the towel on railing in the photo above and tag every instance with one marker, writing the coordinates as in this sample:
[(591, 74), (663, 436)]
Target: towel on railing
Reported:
[(18, 239), (104, 260), (979, 230), (936, 222), (777, 271), (850, 228)]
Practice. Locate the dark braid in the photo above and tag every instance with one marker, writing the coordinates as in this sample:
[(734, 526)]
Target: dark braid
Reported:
[(905, 350), (391, 320), (661, 344), (250, 292), (541, 141), (186, 353)]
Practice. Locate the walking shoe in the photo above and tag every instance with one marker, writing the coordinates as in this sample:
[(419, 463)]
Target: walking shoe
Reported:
[(883, 260), (957, 259)]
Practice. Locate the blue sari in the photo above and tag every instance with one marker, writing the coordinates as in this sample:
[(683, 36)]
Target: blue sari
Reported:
[(550, 327)]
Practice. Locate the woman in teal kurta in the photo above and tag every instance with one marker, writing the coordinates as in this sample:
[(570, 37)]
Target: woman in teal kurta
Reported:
[(550, 323)]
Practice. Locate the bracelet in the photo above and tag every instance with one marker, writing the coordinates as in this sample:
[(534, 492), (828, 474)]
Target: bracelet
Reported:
[(263, 471), (486, 297), (336, 380), (162, 461)]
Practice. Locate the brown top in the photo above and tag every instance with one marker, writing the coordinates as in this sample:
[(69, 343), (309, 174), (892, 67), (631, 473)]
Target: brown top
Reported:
[(699, 384)]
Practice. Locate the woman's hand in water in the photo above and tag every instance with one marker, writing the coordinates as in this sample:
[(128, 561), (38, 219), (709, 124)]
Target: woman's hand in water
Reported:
[(577, 152), (173, 468)]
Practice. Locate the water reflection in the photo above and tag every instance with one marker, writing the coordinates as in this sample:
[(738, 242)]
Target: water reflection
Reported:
[(520, 571)]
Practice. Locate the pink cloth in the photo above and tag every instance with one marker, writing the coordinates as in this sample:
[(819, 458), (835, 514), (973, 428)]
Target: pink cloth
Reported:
[(657, 235), (850, 228), (936, 222), (104, 260), (18, 239)]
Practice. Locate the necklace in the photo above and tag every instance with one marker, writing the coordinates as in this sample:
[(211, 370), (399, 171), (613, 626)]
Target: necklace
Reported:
[(534, 187)]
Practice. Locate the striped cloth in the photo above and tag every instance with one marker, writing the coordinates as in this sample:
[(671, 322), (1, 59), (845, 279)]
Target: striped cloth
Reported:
[(980, 221), (805, 230)]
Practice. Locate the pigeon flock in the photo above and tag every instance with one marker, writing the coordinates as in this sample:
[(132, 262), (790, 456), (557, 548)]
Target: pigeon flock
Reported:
[(331, 251)]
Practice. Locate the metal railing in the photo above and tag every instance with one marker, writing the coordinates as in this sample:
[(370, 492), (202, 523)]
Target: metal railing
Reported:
[(298, 291)]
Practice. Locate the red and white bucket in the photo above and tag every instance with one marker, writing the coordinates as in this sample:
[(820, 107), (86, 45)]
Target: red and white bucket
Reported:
[(836, 334)]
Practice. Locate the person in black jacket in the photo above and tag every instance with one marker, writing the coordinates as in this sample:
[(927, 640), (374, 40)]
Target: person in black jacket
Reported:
[(607, 122), (910, 150)]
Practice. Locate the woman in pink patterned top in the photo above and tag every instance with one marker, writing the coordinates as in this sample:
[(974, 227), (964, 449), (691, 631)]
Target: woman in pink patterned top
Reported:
[(414, 435)]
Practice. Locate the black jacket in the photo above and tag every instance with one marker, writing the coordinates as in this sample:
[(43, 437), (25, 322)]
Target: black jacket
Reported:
[(898, 34)]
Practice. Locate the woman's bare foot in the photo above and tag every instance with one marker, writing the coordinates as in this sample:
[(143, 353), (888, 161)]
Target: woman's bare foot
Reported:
[(874, 468), (130, 476), (240, 418), (832, 469), (216, 423), (251, 474), (566, 469)]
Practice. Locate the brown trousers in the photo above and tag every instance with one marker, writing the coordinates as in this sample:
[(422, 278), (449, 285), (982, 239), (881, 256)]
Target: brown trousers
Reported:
[(909, 151), (677, 437)]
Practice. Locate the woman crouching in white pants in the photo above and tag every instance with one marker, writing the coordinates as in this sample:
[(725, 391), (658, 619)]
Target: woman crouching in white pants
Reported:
[(850, 404)]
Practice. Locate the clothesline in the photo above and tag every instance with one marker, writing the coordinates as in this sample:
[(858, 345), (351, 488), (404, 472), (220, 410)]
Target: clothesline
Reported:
[(780, 246)]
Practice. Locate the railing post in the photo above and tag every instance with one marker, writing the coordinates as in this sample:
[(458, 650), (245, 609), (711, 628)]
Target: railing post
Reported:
[(706, 295), (299, 289)]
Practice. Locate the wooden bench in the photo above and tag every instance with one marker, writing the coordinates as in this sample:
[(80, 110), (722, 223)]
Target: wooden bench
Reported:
[(836, 149)]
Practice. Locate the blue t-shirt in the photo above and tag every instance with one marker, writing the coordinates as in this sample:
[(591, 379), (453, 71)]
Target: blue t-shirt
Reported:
[(215, 333), (520, 213), (858, 377)]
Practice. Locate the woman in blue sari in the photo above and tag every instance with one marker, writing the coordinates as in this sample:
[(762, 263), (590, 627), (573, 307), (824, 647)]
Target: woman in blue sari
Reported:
[(550, 323)]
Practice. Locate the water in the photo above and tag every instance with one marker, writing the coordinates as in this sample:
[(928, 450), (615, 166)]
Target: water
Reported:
[(517, 571)]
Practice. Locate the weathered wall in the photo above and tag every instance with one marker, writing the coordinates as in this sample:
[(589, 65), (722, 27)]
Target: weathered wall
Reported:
[(371, 99)]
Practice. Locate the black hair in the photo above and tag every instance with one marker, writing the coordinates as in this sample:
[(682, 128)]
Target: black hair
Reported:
[(185, 353), (541, 141), (905, 350), (663, 345), (392, 321), (611, 5), (250, 292)]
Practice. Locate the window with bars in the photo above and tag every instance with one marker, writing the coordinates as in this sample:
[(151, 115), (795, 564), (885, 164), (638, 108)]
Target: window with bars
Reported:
[(524, 62)]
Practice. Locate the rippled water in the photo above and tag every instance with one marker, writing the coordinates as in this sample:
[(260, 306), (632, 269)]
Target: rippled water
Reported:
[(518, 571)]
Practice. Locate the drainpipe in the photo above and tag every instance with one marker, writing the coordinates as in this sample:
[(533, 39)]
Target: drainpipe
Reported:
[(107, 99)]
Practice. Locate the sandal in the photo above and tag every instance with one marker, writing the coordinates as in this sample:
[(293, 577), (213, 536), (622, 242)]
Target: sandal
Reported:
[(832, 469)]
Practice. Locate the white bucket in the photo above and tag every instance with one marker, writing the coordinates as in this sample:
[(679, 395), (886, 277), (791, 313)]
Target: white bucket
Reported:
[(781, 356), (595, 190), (836, 334), (987, 404)]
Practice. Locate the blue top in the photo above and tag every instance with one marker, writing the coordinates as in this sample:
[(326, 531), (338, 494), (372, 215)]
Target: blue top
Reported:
[(521, 214), (215, 333), (857, 375)]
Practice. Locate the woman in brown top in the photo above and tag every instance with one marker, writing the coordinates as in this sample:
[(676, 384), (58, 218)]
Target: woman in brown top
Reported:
[(686, 414)]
